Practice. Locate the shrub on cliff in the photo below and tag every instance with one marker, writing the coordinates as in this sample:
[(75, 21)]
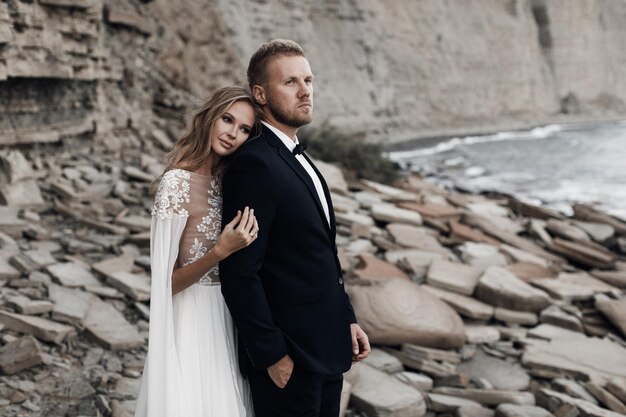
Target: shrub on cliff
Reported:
[(358, 158)]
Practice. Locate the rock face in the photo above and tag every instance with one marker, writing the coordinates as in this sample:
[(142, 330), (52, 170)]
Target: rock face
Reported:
[(389, 49), (399, 311)]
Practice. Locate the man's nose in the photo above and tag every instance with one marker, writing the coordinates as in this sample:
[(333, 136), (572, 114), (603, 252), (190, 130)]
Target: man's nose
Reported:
[(304, 90)]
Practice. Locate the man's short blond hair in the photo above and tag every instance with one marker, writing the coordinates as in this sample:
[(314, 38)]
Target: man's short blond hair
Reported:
[(257, 68)]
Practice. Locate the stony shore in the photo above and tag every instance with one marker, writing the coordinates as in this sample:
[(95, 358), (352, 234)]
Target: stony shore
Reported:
[(475, 306)]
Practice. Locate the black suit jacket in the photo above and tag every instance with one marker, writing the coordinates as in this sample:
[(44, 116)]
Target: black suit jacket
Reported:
[(285, 291)]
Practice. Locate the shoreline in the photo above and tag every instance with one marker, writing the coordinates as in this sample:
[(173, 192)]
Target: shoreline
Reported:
[(431, 137)]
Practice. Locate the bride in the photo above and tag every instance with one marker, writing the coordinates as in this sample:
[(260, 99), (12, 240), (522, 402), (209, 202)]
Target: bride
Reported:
[(191, 368)]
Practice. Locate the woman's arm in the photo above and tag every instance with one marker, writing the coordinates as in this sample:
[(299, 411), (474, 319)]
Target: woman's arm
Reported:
[(237, 234)]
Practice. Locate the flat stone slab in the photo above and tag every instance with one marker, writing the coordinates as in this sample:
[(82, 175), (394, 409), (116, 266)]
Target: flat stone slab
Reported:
[(566, 230), (399, 311), (136, 286), (489, 397), (25, 305), (453, 276), (520, 255), (333, 176), (414, 260), (115, 264), (481, 255), (618, 388), (373, 268), (380, 395), (461, 232), (447, 403), (350, 218), (557, 317), (381, 360), (587, 254), (501, 288), (573, 353), (20, 354), (41, 328), (390, 193), (512, 410), (477, 334), (502, 374), (466, 306), (525, 318), (489, 209), (614, 278), (421, 382), (72, 274), (599, 232), (573, 388), (392, 214), (563, 290), (70, 304), (606, 398), (527, 271), (551, 399), (614, 310), (109, 327), (415, 237), (434, 210)]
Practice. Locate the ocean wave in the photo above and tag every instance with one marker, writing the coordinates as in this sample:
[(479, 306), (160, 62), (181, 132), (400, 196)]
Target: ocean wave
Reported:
[(541, 132)]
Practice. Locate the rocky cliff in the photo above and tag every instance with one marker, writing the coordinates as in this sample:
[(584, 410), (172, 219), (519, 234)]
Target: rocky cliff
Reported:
[(391, 69)]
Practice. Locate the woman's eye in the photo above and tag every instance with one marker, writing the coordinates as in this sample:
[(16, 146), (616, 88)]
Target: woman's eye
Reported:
[(226, 119), (245, 130)]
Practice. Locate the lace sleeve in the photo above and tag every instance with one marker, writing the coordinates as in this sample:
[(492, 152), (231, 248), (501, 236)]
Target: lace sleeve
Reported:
[(173, 195)]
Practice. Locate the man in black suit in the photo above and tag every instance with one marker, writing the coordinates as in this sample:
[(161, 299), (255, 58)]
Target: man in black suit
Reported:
[(285, 291)]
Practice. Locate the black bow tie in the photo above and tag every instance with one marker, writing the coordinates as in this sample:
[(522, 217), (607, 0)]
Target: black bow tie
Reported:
[(300, 148)]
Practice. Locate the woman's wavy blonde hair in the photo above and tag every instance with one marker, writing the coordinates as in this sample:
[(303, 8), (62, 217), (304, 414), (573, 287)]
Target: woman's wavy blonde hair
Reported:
[(194, 146)]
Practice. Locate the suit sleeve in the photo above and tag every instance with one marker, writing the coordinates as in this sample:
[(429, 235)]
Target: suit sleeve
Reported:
[(249, 182)]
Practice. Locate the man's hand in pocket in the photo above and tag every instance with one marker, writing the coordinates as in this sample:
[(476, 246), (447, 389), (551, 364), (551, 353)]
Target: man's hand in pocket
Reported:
[(281, 371)]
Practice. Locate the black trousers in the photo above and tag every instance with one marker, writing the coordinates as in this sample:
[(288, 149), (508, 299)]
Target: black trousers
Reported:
[(307, 394)]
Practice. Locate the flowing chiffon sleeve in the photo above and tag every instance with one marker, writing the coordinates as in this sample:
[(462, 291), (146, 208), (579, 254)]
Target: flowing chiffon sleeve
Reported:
[(159, 394)]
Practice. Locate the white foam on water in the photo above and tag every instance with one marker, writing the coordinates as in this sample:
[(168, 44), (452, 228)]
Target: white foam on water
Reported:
[(534, 134)]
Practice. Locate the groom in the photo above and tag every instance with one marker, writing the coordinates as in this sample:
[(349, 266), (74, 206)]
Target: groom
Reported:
[(285, 291)]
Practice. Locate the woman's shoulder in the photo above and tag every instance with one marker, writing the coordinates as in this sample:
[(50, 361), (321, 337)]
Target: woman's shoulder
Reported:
[(173, 194)]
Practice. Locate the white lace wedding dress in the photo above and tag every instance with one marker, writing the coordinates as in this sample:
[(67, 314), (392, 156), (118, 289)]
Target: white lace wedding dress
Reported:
[(191, 369)]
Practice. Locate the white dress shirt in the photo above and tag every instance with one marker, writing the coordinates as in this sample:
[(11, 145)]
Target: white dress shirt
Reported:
[(290, 144)]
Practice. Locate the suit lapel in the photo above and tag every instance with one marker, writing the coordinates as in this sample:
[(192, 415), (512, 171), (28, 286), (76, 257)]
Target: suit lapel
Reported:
[(293, 163), (329, 200)]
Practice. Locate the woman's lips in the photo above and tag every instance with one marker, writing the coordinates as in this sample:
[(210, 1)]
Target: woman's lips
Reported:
[(226, 144)]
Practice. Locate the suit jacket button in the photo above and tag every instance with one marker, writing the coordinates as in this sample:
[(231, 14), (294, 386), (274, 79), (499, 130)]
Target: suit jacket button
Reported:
[(341, 281)]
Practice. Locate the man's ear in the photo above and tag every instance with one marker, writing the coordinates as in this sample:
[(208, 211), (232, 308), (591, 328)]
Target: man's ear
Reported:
[(258, 93)]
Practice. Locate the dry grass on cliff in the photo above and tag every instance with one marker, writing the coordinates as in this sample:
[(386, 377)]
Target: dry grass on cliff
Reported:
[(359, 159)]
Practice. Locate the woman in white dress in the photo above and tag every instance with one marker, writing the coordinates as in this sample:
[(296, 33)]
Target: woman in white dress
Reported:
[(191, 368)]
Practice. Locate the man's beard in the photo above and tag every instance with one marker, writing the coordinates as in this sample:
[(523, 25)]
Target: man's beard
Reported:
[(290, 119)]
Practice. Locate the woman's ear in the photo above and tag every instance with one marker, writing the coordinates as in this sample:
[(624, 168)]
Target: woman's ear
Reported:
[(258, 93)]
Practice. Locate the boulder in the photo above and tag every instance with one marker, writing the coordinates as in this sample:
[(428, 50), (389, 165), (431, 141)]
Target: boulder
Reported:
[(399, 311)]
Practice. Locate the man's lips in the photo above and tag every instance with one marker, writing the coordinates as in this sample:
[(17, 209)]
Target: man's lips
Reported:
[(305, 105)]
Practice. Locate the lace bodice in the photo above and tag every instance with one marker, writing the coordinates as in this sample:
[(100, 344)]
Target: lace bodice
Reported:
[(183, 193)]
